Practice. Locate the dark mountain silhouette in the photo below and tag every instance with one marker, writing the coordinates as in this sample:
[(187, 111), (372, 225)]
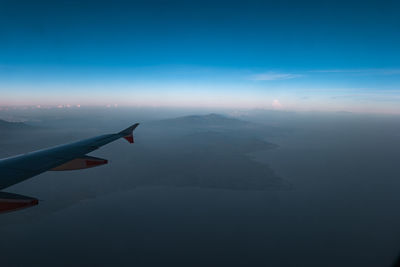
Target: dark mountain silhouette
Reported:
[(13, 126)]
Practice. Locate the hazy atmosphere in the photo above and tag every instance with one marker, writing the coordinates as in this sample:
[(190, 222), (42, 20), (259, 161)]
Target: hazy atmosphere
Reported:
[(269, 132)]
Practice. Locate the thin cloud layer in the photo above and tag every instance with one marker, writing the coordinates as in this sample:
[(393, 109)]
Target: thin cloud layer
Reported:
[(273, 76), (361, 71)]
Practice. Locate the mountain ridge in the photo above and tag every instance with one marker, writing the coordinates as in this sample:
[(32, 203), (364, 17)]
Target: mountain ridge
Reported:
[(209, 120)]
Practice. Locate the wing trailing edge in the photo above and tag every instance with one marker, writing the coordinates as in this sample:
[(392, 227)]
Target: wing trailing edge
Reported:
[(84, 162)]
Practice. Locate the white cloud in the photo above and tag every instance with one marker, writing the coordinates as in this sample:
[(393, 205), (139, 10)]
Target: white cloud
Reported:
[(273, 76), (276, 104), (339, 71)]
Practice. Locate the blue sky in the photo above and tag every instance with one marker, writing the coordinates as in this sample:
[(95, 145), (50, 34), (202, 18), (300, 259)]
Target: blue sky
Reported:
[(292, 55)]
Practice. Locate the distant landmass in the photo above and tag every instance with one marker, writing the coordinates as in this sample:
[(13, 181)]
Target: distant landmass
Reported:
[(214, 122), (15, 138), (210, 120), (8, 126), (210, 151)]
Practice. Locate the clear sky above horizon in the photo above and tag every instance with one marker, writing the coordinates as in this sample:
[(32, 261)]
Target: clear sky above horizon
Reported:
[(294, 55)]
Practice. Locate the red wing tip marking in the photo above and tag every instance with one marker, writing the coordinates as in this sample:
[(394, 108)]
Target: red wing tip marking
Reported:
[(92, 163), (7, 205), (129, 138)]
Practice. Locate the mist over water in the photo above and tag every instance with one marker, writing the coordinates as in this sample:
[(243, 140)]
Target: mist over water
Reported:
[(260, 188)]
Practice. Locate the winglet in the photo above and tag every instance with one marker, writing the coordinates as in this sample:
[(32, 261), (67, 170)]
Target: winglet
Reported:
[(128, 133)]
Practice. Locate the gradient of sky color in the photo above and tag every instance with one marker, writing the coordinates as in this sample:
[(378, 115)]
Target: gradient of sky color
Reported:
[(295, 55)]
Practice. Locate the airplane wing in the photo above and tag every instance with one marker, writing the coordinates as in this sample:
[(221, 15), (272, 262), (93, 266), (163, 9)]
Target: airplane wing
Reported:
[(70, 156)]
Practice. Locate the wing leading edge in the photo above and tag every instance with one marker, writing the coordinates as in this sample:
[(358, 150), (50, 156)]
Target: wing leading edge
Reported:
[(16, 169)]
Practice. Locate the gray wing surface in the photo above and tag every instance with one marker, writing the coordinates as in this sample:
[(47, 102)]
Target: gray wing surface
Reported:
[(16, 169)]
